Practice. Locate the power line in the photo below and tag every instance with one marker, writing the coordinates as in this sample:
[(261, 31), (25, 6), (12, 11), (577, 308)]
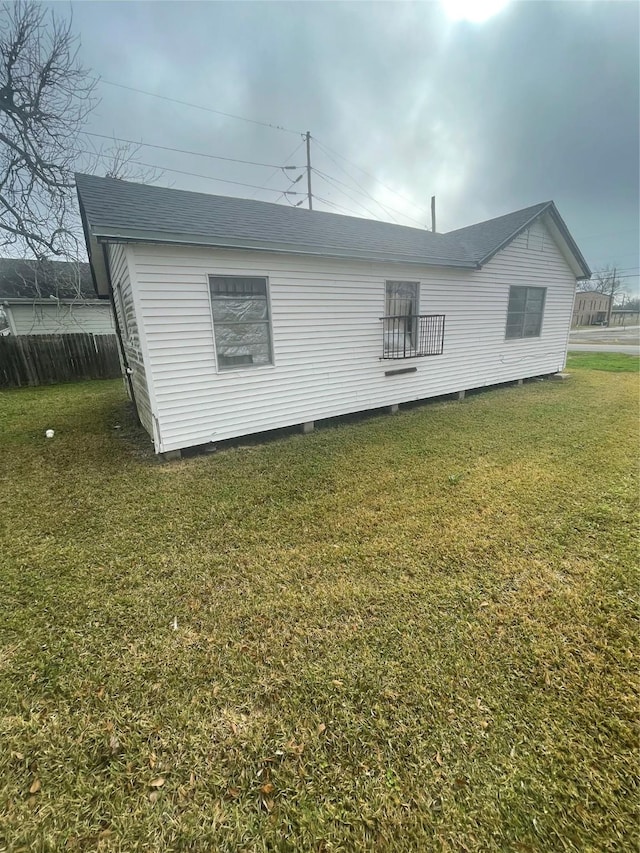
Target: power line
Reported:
[(373, 178), (610, 233), (288, 191), (184, 151), (327, 178), (339, 206), (196, 106), (367, 195), (633, 270), (386, 209), (623, 277), (182, 172), (293, 154)]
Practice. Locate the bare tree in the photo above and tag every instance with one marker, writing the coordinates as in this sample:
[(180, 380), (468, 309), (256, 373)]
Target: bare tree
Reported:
[(605, 281), (45, 98), (118, 160)]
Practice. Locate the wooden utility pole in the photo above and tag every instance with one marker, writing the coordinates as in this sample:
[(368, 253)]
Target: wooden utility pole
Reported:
[(310, 197), (613, 290)]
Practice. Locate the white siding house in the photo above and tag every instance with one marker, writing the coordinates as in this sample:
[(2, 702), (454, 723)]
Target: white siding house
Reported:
[(58, 317), (236, 330), (52, 298)]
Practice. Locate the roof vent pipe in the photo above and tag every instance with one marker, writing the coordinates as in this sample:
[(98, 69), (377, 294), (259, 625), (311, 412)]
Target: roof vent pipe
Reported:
[(433, 214)]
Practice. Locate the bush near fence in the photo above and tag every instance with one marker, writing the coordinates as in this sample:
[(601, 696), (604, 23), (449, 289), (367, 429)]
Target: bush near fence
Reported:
[(47, 359)]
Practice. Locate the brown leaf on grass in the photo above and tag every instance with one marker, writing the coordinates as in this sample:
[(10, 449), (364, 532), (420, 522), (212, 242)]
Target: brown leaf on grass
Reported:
[(153, 758), (100, 693), (154, 795), (35, 786), (438, 759), (114, 744), (268, 803), (267, 788), (321, 728), (337, 682), (234, 793), (157, 783), (234, 728)]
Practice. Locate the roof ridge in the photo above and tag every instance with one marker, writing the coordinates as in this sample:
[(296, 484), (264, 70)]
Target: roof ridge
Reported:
[(252, 201), (542, 205)]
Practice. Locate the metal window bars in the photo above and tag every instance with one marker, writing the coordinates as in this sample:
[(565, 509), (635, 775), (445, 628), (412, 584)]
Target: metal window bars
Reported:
[(412, 335)]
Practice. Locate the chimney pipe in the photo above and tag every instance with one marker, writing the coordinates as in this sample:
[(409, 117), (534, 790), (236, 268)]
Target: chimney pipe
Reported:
[(433, 214)]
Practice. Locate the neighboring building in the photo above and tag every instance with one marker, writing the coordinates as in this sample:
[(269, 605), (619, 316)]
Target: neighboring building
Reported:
[(52, 298), (239, 316), (590, 308)]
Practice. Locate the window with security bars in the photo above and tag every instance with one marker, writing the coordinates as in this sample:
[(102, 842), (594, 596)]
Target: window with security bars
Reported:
[(407, 334), (241, 321), (525, 312)]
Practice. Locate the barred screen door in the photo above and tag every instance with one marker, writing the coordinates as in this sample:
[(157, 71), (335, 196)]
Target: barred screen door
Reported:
[(401, 303)]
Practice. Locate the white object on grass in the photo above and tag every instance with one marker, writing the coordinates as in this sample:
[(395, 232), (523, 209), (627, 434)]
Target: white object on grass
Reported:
[(49, 433), (174, 624)]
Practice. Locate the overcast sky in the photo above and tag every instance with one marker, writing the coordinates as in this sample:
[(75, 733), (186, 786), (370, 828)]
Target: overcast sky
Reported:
[(538, 101)]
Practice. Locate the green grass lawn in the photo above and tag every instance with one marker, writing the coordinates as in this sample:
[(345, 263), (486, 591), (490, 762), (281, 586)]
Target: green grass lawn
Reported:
[(404, 633), (612, 362)]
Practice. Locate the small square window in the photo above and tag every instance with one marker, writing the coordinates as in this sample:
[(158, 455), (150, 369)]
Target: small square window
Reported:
[(525, 312)]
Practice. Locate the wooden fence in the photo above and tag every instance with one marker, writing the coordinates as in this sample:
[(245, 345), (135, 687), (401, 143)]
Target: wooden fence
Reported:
[(46, 359)]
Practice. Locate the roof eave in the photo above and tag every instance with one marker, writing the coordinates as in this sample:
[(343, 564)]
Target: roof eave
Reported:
[(96, 263), (563, 231), (106, 235), (513, 236), (571, 243)]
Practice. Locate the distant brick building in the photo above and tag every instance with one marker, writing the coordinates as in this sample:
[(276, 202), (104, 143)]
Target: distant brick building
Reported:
[(590, 309)]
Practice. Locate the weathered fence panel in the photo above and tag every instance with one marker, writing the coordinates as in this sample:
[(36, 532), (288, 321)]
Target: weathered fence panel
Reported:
[(47, 359)]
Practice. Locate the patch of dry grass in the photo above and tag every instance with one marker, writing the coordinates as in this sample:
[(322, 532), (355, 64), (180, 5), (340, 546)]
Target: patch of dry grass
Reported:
[(411, 632)]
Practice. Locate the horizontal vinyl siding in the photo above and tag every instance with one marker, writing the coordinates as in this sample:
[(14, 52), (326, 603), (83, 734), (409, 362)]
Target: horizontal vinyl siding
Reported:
[(327, 335), (62, 319), (131, 337)]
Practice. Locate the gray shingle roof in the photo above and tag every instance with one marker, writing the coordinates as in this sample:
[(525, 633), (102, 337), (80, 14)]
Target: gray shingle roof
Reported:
[(485, 238), (30, 279), (115, 208)]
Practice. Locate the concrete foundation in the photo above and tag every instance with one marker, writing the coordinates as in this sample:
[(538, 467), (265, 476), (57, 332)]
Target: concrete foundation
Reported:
[(170, 455), (393, 409), (308, 427), (461, 395)]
